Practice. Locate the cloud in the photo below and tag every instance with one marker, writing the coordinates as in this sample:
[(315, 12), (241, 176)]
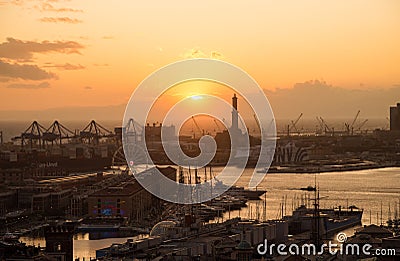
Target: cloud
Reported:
[(50, 8), (88, 88), (25, 72), (16, 2), (108, 37), (216, 55), (4, 79), (197, 53), (29, 86), (18, 49), (66, 66), (194, 53), (60, 20), (101, 64), (318, 98)]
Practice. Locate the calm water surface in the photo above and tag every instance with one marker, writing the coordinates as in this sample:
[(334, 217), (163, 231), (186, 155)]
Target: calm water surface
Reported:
[(367, 189)]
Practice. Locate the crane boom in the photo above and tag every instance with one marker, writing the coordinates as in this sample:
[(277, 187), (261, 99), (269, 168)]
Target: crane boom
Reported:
[(197, 126), (321, 124), (355, 119), (216, 123), (362, 124), (295, 122), (326, 125)]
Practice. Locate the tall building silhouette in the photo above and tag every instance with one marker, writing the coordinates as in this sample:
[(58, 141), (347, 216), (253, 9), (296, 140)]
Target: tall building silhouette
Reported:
[(234, 126), (395, 118), (59, 242)]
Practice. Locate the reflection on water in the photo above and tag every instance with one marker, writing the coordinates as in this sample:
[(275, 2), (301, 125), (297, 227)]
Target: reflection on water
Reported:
[(367, 189), (84, 244)]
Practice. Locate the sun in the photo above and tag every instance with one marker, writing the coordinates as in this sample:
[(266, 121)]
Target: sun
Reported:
[(195, 97)]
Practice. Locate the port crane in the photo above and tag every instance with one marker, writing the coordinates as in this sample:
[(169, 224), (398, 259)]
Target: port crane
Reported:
[(361, 125), (216, 123), (32, 136), (321, 126), (293, 125), (350, 127), (56, 133), (327, 128), (93, 132), (134, 142), (198, 128), (262, 130), (133, 131)]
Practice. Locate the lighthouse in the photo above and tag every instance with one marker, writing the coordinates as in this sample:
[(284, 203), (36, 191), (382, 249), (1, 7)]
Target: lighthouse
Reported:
[(234, 127)]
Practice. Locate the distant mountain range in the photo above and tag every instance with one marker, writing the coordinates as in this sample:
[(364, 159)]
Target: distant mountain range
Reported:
[(312, 98)]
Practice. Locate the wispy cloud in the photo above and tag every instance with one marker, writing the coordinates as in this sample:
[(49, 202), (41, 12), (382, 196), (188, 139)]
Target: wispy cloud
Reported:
[(16, 2), (24, 71), (47, 7), (198, 53), (88, 88), (216, 55), (29, 86), (66, 66), (60, 20), (194, 53), (19, 49), (108, 37), (101, 64)]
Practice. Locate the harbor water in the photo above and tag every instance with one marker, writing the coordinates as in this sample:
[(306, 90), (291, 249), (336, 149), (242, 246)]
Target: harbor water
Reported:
[(372, 190), (366, 189)]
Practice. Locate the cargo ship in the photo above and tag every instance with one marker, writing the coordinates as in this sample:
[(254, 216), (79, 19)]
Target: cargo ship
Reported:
[(71, 158)]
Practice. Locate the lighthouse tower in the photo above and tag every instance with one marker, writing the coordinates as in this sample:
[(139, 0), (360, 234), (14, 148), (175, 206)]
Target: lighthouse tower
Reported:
[(235, 126)]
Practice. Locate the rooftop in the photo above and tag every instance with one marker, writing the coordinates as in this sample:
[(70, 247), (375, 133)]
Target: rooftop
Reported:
[(373, 229)]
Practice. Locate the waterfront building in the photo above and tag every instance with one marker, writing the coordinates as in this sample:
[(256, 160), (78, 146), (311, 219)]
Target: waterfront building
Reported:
[(128, 199), (7, 202)]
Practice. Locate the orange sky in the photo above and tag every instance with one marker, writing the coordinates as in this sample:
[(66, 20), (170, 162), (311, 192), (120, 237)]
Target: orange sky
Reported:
[(86, 53)]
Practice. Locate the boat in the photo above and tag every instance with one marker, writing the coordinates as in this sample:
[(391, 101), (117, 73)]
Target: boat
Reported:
[(251, 194), (98, 227), (331, 220), (308, 188)]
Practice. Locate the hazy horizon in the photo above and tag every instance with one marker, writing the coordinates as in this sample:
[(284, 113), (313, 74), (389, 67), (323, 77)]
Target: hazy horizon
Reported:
[(321, 100), (12, 128)]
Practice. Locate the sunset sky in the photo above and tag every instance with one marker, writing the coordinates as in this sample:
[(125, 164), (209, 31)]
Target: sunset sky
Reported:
[(56, 54)]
